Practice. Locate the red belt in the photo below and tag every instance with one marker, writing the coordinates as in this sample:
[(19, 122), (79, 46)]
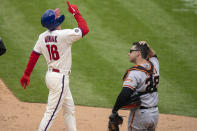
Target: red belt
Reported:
[(56, 70)]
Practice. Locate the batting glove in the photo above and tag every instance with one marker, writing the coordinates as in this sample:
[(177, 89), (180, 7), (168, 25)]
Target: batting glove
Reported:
[(24, 81), (72, 9)]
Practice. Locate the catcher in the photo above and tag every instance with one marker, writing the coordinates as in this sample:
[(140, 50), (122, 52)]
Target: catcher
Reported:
[(139, 93)]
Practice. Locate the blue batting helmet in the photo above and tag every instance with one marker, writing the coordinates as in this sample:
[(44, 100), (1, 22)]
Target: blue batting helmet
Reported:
[(48, 20)]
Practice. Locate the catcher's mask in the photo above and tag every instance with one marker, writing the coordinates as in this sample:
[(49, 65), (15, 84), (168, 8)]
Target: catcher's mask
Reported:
[(48, 20)]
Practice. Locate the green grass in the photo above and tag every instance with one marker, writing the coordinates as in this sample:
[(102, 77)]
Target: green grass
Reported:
[(100, 59)]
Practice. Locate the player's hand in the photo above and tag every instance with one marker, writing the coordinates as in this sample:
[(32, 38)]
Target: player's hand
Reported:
[(143, 43), (72, 8), (24, 81), (151, 52), (57, 13)]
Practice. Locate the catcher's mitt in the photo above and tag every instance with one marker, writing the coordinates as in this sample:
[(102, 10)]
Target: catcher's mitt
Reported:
[(114, 121)]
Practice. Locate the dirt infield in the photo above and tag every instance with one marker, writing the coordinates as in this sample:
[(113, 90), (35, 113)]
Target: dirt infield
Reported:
[(20, 116)]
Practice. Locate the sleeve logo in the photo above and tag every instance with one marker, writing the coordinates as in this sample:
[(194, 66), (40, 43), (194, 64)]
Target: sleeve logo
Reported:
[(76, 30)]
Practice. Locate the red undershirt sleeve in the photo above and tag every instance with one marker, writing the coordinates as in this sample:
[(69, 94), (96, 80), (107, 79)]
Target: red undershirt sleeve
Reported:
[(82, 24), (31, 63)]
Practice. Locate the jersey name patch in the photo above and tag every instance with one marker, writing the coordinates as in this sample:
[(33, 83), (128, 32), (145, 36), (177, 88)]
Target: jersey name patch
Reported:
[(51, 39)]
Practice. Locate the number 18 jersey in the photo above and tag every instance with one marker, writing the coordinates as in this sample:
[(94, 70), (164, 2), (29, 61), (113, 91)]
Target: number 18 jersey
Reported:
[(56, 47)]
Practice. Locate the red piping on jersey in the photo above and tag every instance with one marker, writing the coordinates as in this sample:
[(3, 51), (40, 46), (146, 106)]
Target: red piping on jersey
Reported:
[(82, 24), (31, 63)]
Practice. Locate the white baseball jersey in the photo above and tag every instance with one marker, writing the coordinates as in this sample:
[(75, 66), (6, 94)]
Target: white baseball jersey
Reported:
[(56, 47), (138, 79)]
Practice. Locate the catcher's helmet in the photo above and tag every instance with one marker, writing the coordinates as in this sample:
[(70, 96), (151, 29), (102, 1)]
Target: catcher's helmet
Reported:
[(48, 20)]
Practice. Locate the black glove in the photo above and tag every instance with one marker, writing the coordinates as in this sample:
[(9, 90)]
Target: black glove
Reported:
[(114, 121)]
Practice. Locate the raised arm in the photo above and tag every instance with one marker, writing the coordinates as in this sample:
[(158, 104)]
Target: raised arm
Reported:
[(151, 52), (81, 22)]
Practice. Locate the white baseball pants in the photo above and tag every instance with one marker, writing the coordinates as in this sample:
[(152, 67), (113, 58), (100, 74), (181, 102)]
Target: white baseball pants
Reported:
[(59, 96)]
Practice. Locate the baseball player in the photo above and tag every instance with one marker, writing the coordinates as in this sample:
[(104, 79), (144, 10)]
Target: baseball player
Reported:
[(139, 93), (55, 44), (2, 47)]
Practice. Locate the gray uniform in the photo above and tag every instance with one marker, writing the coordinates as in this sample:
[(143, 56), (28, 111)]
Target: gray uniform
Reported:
[(145, 117)]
